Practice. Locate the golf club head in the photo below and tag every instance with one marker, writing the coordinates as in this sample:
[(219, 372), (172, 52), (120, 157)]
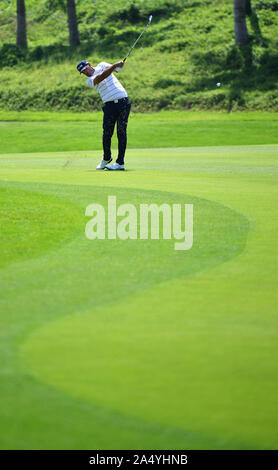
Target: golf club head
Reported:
[(150, 18)]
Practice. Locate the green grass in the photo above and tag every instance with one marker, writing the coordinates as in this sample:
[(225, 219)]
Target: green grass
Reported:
[(45, 132), (193, 115), (188, 48), (130, 344)]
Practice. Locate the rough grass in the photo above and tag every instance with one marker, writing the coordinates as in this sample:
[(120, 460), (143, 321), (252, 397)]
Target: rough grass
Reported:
[(188, 48)]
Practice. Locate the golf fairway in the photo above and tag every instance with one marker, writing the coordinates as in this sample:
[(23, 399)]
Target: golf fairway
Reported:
[(129, 344)]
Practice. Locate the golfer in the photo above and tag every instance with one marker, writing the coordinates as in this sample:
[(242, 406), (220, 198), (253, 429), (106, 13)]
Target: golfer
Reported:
[(116, 108)]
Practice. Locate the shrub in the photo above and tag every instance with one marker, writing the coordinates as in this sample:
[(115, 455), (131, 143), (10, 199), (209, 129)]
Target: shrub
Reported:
[(267, 5), (10, 55)]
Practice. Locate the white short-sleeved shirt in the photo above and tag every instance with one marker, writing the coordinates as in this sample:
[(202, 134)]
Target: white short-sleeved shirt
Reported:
[(110, 88)]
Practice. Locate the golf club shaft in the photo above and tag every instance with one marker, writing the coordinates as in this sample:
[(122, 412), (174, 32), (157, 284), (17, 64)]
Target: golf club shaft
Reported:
[(132, 47), (150, 19)]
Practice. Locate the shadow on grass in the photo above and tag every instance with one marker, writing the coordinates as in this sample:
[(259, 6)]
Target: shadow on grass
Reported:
[(133, 14), (238, 71), (11, 55)]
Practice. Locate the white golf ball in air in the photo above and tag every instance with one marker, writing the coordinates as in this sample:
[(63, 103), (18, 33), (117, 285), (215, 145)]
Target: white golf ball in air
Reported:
[(218, 84)]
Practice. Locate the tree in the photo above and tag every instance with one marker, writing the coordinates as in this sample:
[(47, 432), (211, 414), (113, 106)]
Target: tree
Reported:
[(240, 11), (72, 23), (21, 31)]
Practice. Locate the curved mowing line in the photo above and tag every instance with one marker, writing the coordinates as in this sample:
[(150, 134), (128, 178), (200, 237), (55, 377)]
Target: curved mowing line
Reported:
[(34, 223), (84, 354), (125, 360)]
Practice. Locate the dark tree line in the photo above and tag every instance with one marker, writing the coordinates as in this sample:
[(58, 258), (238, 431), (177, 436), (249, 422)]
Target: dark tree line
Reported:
[(242, 9), (21, 31), (72, 23)]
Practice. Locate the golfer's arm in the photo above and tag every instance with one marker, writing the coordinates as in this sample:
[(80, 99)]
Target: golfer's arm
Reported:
[(101, 76)]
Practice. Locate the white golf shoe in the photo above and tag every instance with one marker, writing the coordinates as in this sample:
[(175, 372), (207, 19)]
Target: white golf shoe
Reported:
[(115, 166), (103, 164)]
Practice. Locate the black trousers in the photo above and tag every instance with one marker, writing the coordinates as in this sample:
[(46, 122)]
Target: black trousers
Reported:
[(115, 113)]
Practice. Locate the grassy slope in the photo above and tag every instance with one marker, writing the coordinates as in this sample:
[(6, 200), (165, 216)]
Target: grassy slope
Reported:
[(197, 327), (186, 51)]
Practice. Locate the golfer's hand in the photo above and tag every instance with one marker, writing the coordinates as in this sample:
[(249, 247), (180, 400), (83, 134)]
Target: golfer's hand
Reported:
[(119, 64)]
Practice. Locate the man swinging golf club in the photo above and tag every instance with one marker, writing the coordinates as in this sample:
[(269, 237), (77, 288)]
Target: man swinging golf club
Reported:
[(116, 108), (116, 104)]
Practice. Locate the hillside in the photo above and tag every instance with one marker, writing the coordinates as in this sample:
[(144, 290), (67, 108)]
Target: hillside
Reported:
[(188, 48)]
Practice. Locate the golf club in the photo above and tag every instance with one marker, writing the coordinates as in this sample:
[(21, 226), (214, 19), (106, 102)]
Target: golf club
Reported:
[(118, 69)]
